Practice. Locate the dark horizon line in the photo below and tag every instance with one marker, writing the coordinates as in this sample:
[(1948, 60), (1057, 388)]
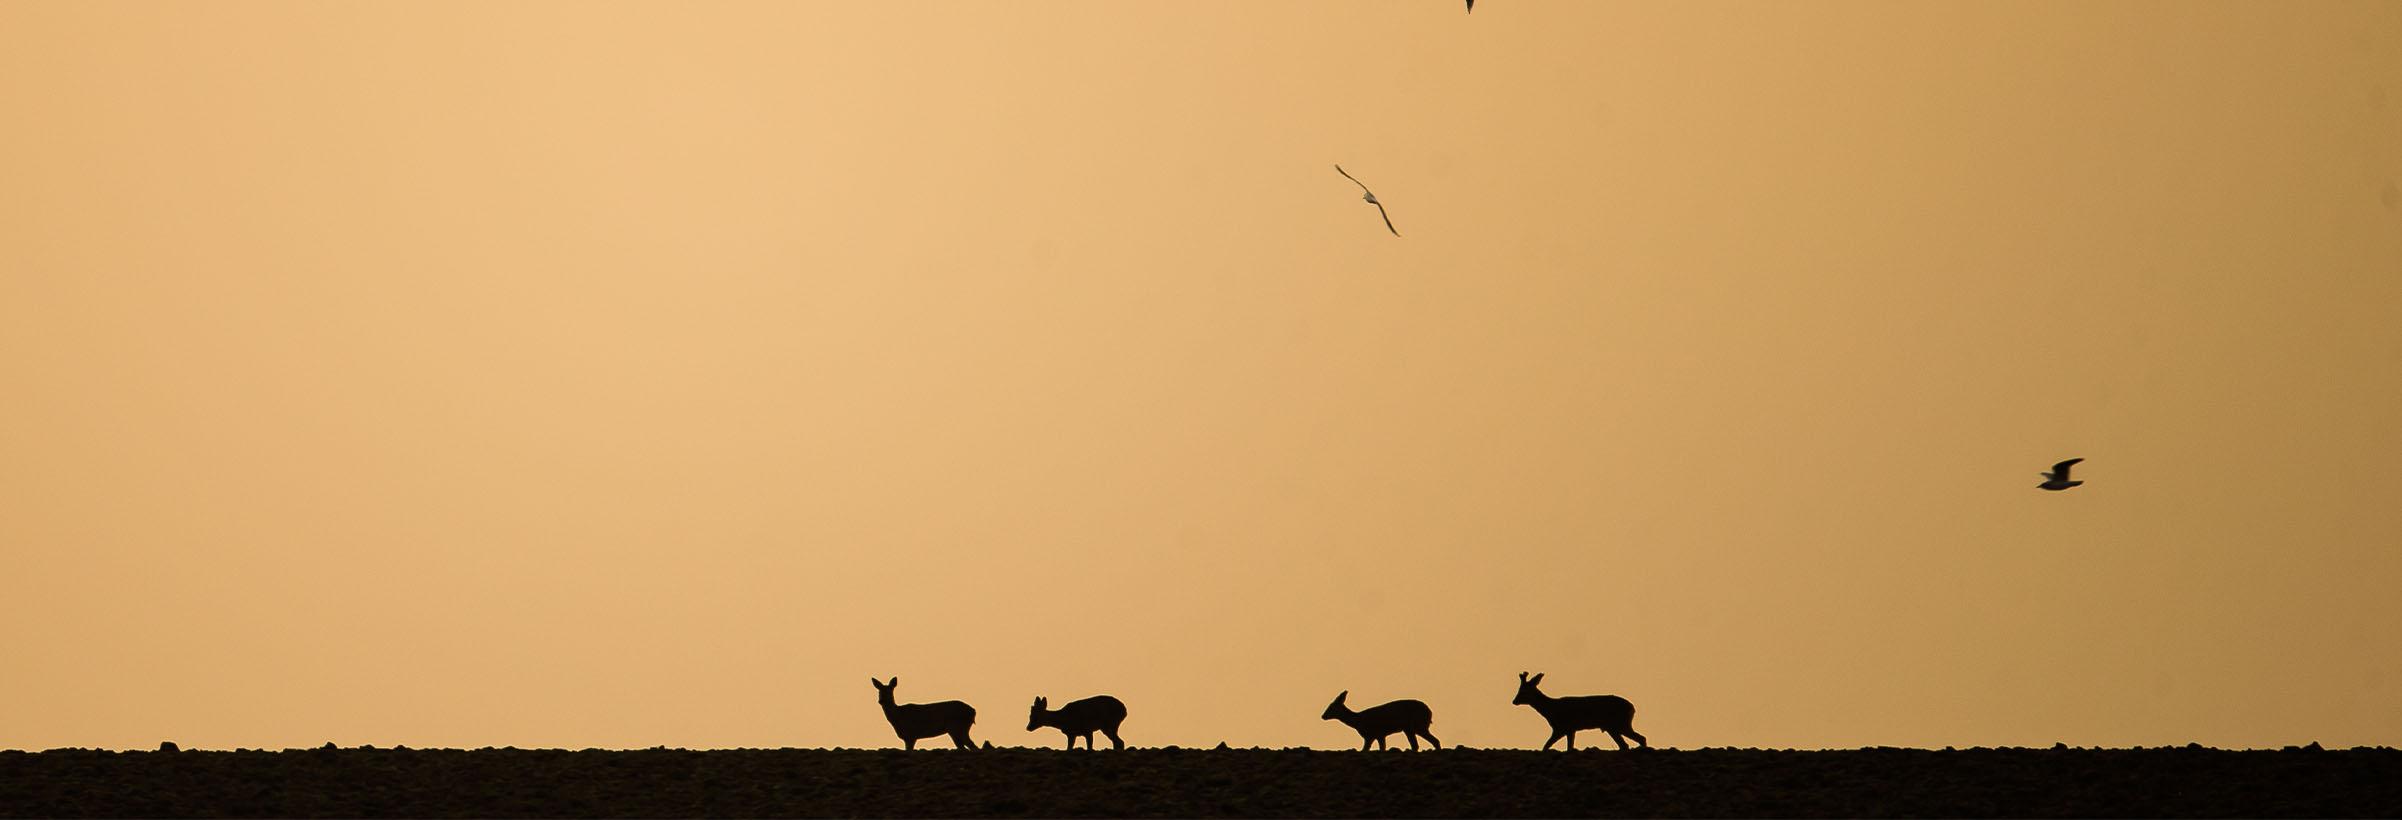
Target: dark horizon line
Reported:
[(2312, 746)]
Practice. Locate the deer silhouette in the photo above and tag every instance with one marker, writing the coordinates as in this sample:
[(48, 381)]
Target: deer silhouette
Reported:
[(1376, 723), (1099, 713), (1609, 713), (913, 721)]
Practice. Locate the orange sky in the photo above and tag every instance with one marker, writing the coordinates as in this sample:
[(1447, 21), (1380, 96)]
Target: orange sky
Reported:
[(581, 374)]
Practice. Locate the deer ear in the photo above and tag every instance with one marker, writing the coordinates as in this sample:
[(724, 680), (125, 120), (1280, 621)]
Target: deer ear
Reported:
[(896, 681), (1521, 677), (1339, 698), (1537, 679)]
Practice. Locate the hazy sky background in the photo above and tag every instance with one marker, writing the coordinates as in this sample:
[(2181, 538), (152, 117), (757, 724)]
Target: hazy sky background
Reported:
[(628, 374)]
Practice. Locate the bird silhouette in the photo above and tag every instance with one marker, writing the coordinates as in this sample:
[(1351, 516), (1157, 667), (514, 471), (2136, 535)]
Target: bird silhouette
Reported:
[(2057, 479), (1370, 196), (1471, 6)]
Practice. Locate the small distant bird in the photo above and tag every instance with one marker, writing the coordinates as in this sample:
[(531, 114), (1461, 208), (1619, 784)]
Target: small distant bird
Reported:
[(2057, 479), (1370, 196)]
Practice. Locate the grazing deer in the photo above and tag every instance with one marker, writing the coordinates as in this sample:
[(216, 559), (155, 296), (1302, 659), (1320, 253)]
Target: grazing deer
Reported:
[(1099, 713), (913, 721), (1609, 713), (1378, 722)]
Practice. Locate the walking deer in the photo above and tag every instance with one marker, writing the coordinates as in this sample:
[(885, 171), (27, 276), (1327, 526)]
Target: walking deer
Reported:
[(1099, 713), (1609, 713), (914, 721), (1376, 723)]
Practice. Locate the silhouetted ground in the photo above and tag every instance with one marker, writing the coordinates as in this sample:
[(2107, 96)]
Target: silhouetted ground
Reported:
[(2187, 782)]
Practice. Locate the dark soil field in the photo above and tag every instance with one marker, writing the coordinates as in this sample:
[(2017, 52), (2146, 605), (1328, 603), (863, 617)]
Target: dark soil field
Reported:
[(2167, 782)]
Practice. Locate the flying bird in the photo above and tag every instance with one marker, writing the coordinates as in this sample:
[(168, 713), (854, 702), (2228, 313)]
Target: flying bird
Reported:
[(1370, 196), (2057, 479)]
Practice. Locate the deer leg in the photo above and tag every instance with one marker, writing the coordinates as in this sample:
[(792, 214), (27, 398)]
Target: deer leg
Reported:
[(1430, 738), (961, 740), (1413, 739), (1365, 741), (1638, 736), (909, 743), (1621, 741), (1114, 742), (1555, 738)]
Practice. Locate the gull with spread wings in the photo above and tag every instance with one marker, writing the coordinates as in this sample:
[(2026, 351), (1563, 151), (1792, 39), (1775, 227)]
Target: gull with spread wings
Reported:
[(1370, 196), (2057, 479)]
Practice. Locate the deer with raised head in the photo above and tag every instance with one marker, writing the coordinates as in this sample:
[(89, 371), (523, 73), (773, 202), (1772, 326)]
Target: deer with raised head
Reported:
[(915, 721), (1609, 713), (1099, 713), (1376, 723)]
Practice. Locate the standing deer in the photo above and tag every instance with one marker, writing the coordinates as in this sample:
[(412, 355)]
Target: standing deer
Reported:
[(913, 721), (1099, 713), (1609, 713), (1378, 722)]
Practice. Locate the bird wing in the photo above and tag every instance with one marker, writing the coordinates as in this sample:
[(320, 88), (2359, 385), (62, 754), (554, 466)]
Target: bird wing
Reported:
[(2062, 467), (1388, 219), (1338, 168)]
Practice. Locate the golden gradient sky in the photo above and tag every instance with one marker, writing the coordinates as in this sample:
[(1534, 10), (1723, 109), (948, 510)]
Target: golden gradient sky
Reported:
[(629, 374)]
